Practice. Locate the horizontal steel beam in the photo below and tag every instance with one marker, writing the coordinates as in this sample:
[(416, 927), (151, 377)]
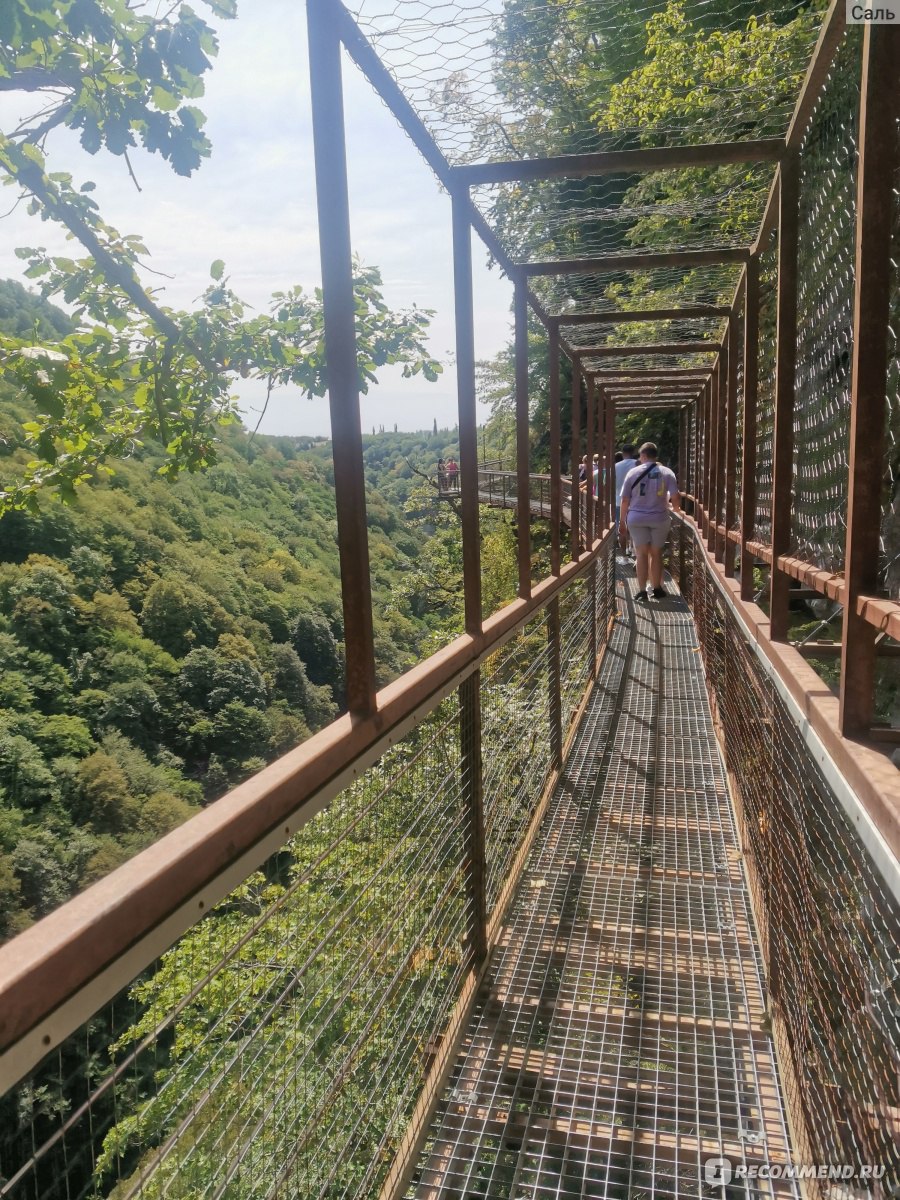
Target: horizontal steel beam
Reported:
[(612, 374), (621, 162), (694, 312), (719, 256), (649, 348)]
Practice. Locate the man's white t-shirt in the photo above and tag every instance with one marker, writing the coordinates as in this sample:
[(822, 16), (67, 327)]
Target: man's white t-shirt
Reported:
[(622, 469), (648, 488)]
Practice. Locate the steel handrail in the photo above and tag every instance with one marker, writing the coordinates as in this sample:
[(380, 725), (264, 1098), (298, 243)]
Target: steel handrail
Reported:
[(59, 972)]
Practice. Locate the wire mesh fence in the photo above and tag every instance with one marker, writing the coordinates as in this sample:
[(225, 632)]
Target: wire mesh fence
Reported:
[(278, 1047), (467, 68), (827, 237), (515, 706), (765, 412), (830, 924), (576, 622), (890, 564), (281, 1045)]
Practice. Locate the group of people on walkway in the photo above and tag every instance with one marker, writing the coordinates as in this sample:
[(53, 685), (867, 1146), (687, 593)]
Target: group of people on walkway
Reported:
[(448, 475), (646, 496)]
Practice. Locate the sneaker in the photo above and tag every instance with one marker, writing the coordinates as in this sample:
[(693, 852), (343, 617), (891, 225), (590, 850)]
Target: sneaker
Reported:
[(642, 595), (659, 593)]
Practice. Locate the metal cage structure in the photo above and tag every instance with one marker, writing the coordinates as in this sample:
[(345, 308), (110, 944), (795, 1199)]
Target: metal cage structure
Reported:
[(153, 1044)]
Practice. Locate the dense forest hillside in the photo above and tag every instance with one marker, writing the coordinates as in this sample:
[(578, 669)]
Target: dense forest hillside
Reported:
[(161, 641)]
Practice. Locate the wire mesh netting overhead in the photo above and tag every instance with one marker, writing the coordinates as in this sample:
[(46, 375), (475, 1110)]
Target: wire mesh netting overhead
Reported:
[(486, 77), (631, 291), (665, 211)]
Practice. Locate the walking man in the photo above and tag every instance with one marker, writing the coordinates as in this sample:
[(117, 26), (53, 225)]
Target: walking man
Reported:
[(648, 490)]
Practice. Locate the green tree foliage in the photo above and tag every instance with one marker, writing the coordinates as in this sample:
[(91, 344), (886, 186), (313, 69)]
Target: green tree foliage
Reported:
[(123, 76), (681, 76), (160, 640)]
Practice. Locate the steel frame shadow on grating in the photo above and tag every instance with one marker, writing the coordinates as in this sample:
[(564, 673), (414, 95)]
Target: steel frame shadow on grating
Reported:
[(620, 1038)]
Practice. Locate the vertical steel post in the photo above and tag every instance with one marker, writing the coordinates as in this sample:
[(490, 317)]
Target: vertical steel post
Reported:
[(340, 352), (468, 420), (576, 456), (554, 639), (555, 452), (729, 549), (707, 459), (472, 776), (589, 450), (748, 434), (723, 376), (785, 371), (712, 470), (878, 165), (523, 440), (609, 408)]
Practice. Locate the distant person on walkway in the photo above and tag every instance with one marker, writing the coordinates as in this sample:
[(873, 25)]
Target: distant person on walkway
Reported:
[(582, 469), (627, 460), (648, 490), (596, 476), (442, 476), (452, 473)]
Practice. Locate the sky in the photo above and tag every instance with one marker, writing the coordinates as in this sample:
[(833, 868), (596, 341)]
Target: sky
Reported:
[(253, 204)]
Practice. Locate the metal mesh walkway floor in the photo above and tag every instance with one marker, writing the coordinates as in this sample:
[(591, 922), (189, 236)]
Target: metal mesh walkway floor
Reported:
[(618, 1042)]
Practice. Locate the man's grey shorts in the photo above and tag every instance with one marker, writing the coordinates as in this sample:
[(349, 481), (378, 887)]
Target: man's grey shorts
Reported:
[(646, 532)]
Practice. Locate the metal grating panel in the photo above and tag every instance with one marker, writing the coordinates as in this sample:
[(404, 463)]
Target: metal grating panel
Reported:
[(619, 1040)]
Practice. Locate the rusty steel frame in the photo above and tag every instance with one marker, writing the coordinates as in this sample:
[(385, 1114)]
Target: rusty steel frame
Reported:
[(730, 467), (688, 313), (879, 159), (555, 452), (748, 432), (468, 420), (620, 162), (79, 957), (590, 436), (523, 449), (338, 306), (785, 381), (602, 264), (635, 349), (574, 519), (668, 373)]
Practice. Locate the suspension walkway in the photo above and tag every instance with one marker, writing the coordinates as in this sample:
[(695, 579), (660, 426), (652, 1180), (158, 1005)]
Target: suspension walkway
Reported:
[(598, 894), (620, 1040)]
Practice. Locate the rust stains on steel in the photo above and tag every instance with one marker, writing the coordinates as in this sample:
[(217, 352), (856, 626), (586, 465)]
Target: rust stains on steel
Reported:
[(785, 381), (523, 445), (468, 417), (748, 431), (342, 375), (555, 452)]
